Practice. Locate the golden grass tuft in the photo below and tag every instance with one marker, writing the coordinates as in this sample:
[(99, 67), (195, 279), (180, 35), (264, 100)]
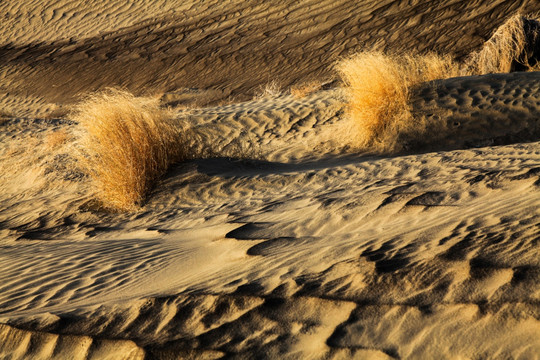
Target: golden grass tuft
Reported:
[(302, 90), (127, 143), (378, 88), (514, 46)]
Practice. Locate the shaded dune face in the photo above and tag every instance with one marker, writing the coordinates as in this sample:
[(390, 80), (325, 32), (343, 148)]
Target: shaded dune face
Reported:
[(233, 50), (477, 110)]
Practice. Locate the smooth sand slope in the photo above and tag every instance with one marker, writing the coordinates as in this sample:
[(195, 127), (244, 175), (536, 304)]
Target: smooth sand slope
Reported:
[(279, 239)]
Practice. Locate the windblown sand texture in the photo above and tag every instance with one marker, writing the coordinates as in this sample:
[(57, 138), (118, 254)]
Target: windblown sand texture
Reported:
[(277, 236)]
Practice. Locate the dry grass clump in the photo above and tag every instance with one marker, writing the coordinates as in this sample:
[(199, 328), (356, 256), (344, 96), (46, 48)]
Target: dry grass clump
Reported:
[(127, 143), (378, 88), (515, 46), (272, 89), (302, 90), (379, 85)]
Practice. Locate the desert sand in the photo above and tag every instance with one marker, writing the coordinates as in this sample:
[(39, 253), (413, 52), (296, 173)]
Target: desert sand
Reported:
[(278, 237)]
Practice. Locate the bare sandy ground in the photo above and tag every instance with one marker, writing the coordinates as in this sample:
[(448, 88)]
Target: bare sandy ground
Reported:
[(283, 241)]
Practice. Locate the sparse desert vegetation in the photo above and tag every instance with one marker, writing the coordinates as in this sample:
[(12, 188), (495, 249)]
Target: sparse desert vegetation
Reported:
[(222, 194), (378, 87), (271, 89), (126, 143), (130, 142), (515, 46)]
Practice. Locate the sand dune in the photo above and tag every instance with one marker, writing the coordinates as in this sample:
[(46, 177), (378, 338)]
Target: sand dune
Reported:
[(443, 238), (232, 48), (278, 237)]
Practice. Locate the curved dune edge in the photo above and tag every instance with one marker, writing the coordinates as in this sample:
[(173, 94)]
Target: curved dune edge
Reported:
[(22, 344), (241, 326)]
